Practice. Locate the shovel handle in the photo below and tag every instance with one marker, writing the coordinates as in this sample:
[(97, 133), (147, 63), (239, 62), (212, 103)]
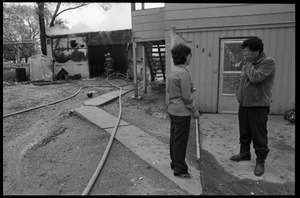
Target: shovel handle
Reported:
[(197, 140)]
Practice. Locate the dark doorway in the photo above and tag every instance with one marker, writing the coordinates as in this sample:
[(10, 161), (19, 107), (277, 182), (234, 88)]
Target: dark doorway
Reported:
[(97, 59)]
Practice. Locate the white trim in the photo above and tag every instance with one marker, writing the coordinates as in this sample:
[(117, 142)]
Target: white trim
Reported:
[(221, 66), (232, 72), (229, 112)]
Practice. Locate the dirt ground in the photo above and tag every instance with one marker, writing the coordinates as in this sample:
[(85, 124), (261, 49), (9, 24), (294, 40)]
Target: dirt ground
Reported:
[(50, 151)]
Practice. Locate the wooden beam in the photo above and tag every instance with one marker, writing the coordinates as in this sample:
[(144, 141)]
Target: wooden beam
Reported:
[(144, 70), (135, 70), (132, 6)]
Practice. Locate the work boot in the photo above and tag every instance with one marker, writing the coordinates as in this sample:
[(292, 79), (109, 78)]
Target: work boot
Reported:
[(259, 169), (241, 157), (172, 166), (185, 175)]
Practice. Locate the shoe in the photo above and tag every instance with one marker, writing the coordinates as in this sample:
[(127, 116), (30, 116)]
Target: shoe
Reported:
[(259, 169), (241, 157), (185, 175)]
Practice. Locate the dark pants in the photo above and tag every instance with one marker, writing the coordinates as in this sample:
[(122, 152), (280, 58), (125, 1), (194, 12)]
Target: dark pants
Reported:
[(253, 126), (180, 128)]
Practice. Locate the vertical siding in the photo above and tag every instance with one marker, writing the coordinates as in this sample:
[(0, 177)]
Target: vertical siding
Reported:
[(284, 55), (204, 69), (148, 24), (185, 16), (279, 43), (205, 24)]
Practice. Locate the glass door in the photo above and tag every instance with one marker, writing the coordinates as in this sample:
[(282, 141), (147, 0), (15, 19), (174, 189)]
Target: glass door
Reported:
[(231, 62)]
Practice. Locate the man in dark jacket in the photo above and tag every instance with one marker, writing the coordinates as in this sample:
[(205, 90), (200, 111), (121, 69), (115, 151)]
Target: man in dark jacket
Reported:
[(254, 94)]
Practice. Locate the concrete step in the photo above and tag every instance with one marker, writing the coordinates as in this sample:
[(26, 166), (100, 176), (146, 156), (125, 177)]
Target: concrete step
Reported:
[(100, 100), (148, 148), (98, 117)]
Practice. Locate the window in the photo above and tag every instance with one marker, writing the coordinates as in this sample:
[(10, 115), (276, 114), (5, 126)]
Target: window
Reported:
[(48, 41), (233, 61), (142, 6)]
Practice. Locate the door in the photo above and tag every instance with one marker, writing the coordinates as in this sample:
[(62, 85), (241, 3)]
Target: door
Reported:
[(231, 62), (96, 60)]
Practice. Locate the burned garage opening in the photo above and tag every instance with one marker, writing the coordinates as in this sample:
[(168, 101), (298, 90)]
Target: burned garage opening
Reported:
[(83, 53), (112, 42), (96, 57)]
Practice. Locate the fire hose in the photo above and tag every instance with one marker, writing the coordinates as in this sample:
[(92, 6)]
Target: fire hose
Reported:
[(104, 156), (52, 103), (103, 159), (40, 106)]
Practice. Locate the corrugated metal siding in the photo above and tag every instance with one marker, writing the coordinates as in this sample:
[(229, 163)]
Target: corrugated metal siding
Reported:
[(204, 69), (225, 11), (205, 24), (279, 43), (220, 15), (213, 17)]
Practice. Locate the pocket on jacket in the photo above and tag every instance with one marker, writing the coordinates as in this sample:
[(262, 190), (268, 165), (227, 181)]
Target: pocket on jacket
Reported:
[(255, 92)]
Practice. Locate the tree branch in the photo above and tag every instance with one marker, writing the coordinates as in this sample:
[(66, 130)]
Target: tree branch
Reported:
[(84, 4), (55, 14), (57, 8)]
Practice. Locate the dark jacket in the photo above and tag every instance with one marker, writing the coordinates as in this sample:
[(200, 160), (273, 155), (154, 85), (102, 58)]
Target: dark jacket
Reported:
[(256, 82)]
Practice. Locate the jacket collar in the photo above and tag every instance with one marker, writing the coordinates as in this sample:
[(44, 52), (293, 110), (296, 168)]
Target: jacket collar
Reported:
[(181, 65), (259, 58)]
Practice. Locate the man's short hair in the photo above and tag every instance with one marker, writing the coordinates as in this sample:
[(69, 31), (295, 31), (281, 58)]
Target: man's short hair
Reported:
[(179, 53), (254, 44)]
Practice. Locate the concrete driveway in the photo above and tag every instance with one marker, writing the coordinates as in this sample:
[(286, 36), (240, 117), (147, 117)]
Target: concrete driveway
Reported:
[(220, 137)]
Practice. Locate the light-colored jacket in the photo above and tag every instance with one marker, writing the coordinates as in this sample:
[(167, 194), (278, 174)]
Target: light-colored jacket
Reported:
[(256, 82), (180, 87)]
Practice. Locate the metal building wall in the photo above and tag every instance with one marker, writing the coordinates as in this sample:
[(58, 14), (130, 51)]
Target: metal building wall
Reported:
[(279, 43), (148, 25)]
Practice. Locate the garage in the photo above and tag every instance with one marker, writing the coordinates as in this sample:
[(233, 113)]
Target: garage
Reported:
[(83, 53)]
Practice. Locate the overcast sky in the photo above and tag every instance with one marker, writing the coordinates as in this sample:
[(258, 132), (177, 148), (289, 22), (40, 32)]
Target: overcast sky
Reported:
[(92, 18), (117, 17)]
